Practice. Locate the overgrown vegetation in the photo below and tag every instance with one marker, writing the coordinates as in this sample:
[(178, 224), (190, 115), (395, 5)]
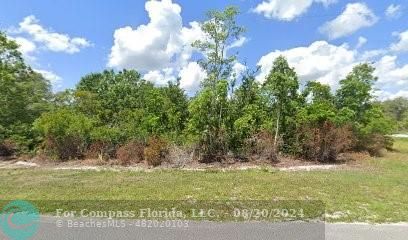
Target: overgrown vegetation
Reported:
[(375, 191), (131, 152), (24, 95), (397, 109), (156, 151), (120, 115)]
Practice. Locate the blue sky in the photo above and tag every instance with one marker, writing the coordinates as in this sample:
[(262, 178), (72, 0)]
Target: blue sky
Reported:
[(322, 39)]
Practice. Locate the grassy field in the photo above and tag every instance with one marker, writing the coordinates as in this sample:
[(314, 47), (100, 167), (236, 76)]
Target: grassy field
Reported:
[(376, 192)]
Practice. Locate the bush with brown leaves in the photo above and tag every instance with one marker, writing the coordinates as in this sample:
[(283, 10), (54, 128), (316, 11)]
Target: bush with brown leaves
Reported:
[(101, 150), (7, 148), (156, 151), (324, 143), (68, 148), (262, 146), (131, 152)]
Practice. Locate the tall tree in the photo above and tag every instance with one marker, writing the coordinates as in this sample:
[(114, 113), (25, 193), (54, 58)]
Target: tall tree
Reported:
[(355, 98), (355, 91), (222, 30), (209, 110), (281, 89), (205, 124), (320, 104), (124, 100), (178, 106), (24, 94), (115, 92), (248, 111)]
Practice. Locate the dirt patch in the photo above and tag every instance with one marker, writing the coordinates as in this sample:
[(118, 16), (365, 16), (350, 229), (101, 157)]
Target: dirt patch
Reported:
[(26, 164), (17, 164), (286, 164), (96, 165)]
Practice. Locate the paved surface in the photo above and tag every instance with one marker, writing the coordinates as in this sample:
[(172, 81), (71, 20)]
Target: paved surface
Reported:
[(212, 231)]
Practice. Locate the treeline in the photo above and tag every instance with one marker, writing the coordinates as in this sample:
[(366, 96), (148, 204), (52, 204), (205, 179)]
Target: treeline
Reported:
[(119, 115), (397, 110)]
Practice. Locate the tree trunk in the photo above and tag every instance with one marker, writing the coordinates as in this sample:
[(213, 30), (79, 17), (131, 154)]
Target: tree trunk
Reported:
[(275, 143)]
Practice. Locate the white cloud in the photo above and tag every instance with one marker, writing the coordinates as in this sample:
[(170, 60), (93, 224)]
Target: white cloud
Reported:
[(384, 95), (238, 43), (188, 36), (286, 10), (390, 75), (161, 43), (26, 47), (329, 64), (393, 11), (372, 54), (191, 76), (353, 18), (54, 79), (402, 93), (361, 42), (56, 42), (32, 38), (402, 45), (238, 69), (160, 77), (320, 61)]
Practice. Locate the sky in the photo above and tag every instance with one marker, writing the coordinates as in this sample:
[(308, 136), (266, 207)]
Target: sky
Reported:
[(322, 39)]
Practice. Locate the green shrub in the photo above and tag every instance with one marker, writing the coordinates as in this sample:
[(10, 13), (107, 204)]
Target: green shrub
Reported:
[(156, 151), (104, 142), (372, 132), (21, 136), (66, 133), (207, 123), (375, 144)]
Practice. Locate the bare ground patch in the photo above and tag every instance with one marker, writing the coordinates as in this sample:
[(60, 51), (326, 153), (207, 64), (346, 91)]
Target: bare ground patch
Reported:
[(285, 164)]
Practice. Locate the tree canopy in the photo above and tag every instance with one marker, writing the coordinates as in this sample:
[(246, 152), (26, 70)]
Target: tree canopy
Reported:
[(229, 116), (24, 95)]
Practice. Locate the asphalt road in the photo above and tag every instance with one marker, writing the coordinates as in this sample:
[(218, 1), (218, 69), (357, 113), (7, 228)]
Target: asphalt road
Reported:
[(51, 228)]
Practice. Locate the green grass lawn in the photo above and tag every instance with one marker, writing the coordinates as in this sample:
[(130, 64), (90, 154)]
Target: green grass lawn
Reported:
[(376, 192)]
